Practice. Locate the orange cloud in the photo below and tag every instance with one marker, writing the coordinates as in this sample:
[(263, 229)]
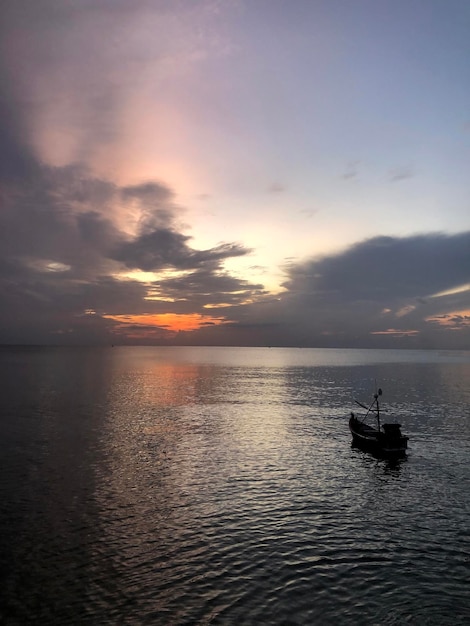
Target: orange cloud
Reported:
[(454, 320), (170, 322), (395, 332)]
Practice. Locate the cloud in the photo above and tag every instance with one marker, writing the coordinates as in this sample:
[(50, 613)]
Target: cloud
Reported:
[(398, 174), (208, 288), (53, 215), (75, 243), (154, 203), (164, 248), (67, 236), (276, 188), (64, 253), (379, 284), (409, 267), (67, 239), (65, 263), (382, 292), (84, 75), (351, 171)]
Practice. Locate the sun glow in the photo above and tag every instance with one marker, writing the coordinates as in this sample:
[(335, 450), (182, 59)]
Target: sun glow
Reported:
[(149, 279), (137, 275), (452, 291)]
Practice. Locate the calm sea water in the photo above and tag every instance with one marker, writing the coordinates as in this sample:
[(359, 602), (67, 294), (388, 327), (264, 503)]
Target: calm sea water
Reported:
[(219, 486)]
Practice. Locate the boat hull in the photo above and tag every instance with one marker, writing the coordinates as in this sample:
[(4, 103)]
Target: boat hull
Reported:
[(392, 443)]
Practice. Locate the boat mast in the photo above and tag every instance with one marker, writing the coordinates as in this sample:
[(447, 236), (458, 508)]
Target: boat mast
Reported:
[(376, 397)]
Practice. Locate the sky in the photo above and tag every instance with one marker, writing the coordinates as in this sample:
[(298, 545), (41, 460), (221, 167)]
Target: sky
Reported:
[(235, 172)]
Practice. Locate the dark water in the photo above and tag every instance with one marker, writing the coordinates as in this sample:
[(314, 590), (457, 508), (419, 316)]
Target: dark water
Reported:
[(219, 486)]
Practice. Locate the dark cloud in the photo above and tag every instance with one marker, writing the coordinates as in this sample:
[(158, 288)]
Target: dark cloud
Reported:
[(380, 284), (413, 267), (52, 216), (62, 251), (382, 292), (149, 192), (15, 159), (62, 256), (208, 287), (164, 248), (155, 202)]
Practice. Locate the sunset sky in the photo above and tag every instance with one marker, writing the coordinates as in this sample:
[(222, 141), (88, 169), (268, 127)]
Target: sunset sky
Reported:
[(235, 172)]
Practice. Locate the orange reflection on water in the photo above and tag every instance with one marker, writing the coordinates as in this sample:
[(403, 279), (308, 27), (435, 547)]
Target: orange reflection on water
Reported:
[(169, 385)]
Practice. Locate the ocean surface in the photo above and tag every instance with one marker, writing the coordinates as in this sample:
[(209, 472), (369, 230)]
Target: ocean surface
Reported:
[(187, 486)]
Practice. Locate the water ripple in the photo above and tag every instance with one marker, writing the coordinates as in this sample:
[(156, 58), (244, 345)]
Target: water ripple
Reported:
[(177, 492)]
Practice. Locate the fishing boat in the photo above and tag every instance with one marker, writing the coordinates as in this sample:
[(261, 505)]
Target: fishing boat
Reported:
[(386, 439)]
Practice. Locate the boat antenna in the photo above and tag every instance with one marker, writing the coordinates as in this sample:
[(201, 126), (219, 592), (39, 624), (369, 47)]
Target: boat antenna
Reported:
[(374, 405), (378, 392)]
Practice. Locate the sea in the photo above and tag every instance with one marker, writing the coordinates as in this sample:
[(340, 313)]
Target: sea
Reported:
[(193, 486)]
